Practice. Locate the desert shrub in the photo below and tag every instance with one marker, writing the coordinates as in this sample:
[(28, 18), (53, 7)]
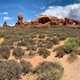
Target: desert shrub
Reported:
[(17, 38), (43, 51), (10, 70), (5, 52), (39, 44), (32, 42), (22, 43), (33, 48), (58, 48), (7, 37), (41, 36), (72, 57), (50, 35), (77, 51), (78, 41), (26, 66), (21, 33), (48, 39), (31, 54), (28, 47), (2, 34), (48, 71), (44, 41), (33, 35), (18, 52), (62, 37), (60, 53), (40, 40), (54, 74), (11, 47), (7, 42), (55, 41), (69, 45), (49, 44)]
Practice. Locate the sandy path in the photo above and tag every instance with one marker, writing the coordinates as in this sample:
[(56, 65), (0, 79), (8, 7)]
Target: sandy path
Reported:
[(71, 70), (1, 40)]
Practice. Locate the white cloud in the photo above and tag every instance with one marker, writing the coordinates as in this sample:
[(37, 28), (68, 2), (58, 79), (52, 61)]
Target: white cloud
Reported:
[(7, 18), (29, 20), (72, 11), (5, 13), (43, 7)]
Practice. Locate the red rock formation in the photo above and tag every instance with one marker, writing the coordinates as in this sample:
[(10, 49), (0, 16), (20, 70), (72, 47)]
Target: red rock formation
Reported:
[(0, 26), (5, 25), (43, 21), (20, 23), (70, 21), (27, 24)]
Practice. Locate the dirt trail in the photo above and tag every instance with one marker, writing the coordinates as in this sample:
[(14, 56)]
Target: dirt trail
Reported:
[(1, 40), (71, 70)]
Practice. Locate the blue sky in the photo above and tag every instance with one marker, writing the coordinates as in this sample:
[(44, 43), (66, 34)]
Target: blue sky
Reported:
[(9, 9)]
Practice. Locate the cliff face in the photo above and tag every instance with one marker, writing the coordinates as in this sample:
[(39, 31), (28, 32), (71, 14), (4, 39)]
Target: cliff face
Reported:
[(42, 21)]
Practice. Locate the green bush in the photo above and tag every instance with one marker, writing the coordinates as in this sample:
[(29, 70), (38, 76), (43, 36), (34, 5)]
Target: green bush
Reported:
[(18, 52), (10, 70), (41, 36), (48, 71), (5, 52), (26, 66), (69, 45), (43, 51), (55, 41), (60, 53)]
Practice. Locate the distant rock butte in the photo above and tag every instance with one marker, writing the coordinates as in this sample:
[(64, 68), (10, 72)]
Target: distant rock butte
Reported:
[(42, 21)]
